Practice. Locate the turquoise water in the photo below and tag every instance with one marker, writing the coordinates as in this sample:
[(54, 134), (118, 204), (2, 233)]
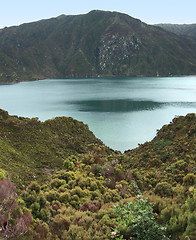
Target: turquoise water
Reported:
[(122, 112)]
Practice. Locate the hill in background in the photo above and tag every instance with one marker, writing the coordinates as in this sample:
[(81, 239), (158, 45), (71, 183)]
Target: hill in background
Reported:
[(95, 44), (180, 29)]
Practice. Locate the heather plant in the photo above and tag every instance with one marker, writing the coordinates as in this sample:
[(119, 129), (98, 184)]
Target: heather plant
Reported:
[(15, 220), (179, 214), (189, 179), (191, 218), (181, 218), (164, 189), (70, 162)]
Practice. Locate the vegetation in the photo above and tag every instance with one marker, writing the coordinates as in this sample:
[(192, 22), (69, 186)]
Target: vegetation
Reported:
[(84, 190), (95, 44), (136, 220), (32, 150)]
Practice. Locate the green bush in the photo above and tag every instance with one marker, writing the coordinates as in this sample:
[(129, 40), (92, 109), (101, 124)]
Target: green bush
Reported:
[(42, 200), (70, 162), (178, 215), (77, 233), (30, 198), (67, 176), (56, 183), (77, 191), (83, 182), (65, 197), (35, 207), (52, 195), (191, 216), (34, 186), (43, 214), (189, 179), (2, 174), (136, 220), (164, 189)]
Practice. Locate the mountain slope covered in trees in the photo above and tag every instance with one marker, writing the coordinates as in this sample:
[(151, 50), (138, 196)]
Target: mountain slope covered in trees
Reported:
[(95, 44)]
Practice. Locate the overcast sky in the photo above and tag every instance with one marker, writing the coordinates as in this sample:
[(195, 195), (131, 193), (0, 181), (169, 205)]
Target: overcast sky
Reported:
[(15, 12)]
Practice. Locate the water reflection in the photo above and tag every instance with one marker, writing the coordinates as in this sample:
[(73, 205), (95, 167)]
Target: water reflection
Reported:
[(121, 105), (126, 105)]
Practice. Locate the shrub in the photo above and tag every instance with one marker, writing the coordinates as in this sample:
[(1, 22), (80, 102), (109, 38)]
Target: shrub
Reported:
[(30, 198), (14, 220), (83, 182), (180, 165), (52, 195), (189, 179), (2, 174), (77, 191), (68, 176), (97, 169), (42, 200), (35, 209), (136, 220), (65, 197), (191, 219), (178, 215), (92, 206), (77, 233), (56, 183), (60, 223), (93, 186), (95, 195), (164, 189), (34, 186), (70, 162), (40, 231), (43, 215)]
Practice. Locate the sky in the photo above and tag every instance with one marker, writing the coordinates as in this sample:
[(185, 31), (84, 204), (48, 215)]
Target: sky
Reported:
[(16, 12)]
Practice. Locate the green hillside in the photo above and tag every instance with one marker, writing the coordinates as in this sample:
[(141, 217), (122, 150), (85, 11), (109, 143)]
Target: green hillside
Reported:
[(67, 182), (95, 44), (30, 149)]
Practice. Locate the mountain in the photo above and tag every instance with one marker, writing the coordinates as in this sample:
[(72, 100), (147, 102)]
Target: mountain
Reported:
[(179, 29), (95, 44)]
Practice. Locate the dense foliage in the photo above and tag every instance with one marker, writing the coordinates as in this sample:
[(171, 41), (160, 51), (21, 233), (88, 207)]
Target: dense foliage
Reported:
[(136, 220), (84, 190), (95, 44), (32, 150)]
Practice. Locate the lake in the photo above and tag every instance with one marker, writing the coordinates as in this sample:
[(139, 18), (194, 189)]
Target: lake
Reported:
[(122, 112)]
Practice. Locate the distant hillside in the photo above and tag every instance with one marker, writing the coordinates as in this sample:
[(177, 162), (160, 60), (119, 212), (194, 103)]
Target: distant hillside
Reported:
[(180, 29), (95, 44)]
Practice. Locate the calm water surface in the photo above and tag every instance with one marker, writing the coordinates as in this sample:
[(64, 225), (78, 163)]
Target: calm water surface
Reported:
[(122, 112)]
